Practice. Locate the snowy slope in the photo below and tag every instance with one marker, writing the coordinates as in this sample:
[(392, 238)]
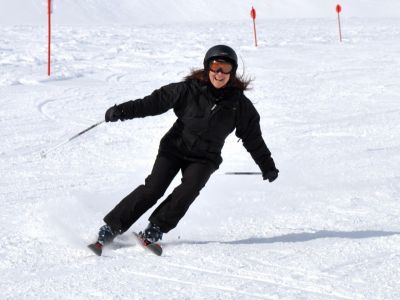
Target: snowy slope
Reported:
[(105, 12), (328, 228)]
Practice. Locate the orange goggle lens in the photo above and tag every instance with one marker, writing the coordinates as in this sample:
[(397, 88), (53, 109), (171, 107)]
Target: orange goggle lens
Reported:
[(223, 67)]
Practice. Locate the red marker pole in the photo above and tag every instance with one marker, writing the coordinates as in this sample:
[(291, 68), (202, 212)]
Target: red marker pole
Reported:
[(338, 10), (49, 36), (253, 16)]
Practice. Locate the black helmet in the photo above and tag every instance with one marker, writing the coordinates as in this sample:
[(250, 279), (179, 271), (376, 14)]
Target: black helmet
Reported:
[(221, 52)]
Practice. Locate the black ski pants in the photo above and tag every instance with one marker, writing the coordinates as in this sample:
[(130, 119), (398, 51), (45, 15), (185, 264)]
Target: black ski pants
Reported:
[(167, 215)]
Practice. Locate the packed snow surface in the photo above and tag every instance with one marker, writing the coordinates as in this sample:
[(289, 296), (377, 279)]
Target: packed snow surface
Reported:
[(327, 228)]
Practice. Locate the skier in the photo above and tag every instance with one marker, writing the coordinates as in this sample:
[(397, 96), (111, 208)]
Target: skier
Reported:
[(209, 104)]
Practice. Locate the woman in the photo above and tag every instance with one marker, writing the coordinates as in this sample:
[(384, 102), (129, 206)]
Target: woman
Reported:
[(209, 105)]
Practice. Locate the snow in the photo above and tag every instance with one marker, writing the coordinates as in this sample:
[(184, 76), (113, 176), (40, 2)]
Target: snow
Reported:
[(328, 228), (144, 12)]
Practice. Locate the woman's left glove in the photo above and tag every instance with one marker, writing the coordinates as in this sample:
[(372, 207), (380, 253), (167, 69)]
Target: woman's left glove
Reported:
[(269, 171), (115, 113)]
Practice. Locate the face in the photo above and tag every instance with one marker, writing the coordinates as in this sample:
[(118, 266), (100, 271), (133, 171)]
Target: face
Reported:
[(219, 73)]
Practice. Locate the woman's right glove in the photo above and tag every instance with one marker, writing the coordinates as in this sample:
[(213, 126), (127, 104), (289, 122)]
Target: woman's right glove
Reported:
[(271, 175), (269, 171), (115, 113)]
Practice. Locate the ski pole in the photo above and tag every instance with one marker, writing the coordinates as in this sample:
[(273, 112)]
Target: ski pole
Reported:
[(243, 173), (43, 153)]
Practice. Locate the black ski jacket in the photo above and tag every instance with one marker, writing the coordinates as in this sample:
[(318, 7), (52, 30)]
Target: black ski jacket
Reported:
[(206, 116)]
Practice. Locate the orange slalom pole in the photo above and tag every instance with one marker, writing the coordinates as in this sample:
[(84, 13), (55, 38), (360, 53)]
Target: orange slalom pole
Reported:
[(253, 16), (49, 37), (255, 32), (338, 10)]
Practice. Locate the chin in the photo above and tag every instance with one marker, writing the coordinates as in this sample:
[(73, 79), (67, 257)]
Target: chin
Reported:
[(219, 84)]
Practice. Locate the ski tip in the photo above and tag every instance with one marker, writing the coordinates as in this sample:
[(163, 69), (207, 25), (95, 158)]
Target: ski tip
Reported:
[(97, 248), (157, 250), (152, 247)]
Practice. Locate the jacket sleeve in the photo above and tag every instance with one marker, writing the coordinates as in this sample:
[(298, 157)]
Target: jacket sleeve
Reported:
[(158, 102), (248, 129)]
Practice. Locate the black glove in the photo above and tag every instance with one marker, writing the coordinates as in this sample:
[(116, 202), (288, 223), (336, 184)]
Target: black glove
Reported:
[(115, 113), (271, 175), (269, 171)]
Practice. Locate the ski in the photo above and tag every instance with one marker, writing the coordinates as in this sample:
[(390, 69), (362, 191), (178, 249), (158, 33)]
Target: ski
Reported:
[(97, 248), (152, 247)]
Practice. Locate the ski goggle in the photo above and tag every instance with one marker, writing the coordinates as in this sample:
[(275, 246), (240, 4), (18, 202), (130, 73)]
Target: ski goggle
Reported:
[(220, 66)]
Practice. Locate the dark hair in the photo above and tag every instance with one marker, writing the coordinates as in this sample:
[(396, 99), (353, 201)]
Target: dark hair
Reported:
[(240, 82)]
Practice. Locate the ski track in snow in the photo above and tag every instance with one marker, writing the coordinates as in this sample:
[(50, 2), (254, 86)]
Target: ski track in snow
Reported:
[(272, 279), (326, 229)]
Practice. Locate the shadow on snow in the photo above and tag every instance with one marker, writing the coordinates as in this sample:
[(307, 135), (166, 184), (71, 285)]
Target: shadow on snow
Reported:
[(300, 237)]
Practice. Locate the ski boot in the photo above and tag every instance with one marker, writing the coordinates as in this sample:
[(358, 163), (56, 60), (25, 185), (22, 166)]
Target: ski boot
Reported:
[(152, 233), (106, 235)]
